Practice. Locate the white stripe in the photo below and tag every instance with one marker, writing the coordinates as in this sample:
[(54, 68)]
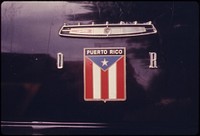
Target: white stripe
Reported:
[(112, 89), (96, 81)]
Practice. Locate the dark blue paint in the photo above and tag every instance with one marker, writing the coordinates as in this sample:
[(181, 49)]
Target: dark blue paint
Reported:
[(159, 101)]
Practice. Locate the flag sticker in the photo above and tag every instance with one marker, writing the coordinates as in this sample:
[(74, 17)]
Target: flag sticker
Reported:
[(105, 74)]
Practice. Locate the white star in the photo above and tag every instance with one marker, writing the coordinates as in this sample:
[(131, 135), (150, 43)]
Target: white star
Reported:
[(104, 62)]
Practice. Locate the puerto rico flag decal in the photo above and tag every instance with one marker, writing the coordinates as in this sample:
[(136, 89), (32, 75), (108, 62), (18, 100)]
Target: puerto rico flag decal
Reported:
[(105, 74)]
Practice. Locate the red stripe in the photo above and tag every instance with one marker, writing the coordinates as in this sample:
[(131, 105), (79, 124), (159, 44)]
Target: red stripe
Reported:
[(88, 79), (104, 84), (120, 79)]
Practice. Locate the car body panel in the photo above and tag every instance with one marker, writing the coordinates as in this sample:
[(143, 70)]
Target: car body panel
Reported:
[(162, 100)]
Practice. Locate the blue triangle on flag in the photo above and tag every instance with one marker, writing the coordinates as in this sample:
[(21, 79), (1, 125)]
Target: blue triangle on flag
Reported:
[(104, 62)]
